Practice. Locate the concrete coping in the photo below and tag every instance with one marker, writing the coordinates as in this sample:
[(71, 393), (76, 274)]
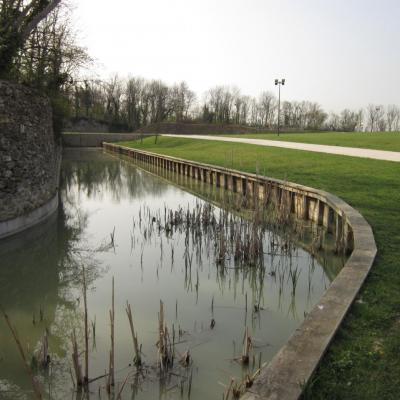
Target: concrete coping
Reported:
[(25, 221), (286, 375), (28, 220)]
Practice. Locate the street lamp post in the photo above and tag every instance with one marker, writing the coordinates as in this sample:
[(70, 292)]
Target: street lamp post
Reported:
[(279, 83), (377, 109)]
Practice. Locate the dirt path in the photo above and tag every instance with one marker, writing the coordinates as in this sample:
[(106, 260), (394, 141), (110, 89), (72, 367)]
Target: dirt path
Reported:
[(319, 148)]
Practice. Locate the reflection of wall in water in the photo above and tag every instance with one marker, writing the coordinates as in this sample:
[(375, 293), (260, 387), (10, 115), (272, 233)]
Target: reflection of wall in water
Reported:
[(29, 280), (35, 267), (331, 262)]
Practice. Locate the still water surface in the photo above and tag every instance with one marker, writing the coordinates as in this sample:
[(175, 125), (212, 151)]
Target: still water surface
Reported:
[(40, 282)]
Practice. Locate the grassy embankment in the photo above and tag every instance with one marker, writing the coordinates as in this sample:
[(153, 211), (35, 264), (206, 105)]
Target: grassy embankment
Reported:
[(389, 141), (363, 362)]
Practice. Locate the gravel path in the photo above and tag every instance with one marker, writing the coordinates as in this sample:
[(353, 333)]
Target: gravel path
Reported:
[(319, 148)]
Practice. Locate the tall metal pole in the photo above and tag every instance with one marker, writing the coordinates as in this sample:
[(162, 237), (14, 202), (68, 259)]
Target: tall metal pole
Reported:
[(279, 108), (279, 83)]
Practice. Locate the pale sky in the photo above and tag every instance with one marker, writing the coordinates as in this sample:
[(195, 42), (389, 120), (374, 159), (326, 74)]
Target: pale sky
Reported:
[(340, 53)]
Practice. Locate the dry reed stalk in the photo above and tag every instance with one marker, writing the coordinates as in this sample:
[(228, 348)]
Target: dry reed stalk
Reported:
[(112, 237), (246, 347), (165, 354), (161, 334), (86, 376), (93, 323), (137, 359), (190, 384), (185, 359), (108, 384), (44, 353), (112, 353), (228, 392), (75, 360), (119, 396), (35, 384)]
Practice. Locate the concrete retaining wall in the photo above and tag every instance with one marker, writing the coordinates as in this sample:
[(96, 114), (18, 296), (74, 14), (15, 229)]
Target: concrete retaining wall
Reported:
[(286, 374), (19, 224)]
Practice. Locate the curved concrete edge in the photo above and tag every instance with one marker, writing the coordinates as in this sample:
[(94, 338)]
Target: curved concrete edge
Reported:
[(286, 375), (19, 224)]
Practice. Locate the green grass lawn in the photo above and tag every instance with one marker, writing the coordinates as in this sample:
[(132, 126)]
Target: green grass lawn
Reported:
[(376, 140), (363, 361)]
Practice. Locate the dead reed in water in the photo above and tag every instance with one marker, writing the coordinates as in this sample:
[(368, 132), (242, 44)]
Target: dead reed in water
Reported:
[(137, 360), (111, 368), (35, 385), (164, 346), (75, 360), (86, 376)]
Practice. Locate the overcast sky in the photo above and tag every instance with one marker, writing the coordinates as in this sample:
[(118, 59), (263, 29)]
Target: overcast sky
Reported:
[(340, 53)]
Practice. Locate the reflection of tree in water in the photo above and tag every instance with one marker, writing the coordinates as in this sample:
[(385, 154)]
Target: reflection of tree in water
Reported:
[(105, 174), (40, 280), (67, 247), (31, 285), (75, 250)]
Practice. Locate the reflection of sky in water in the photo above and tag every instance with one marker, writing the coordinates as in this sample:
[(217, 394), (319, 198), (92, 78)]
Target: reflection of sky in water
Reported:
[(99, 193)]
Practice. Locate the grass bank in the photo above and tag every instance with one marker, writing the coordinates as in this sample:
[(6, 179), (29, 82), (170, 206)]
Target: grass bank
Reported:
[(363, 361), (377, 140)]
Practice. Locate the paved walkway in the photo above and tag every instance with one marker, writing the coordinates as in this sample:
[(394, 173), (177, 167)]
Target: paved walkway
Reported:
[(319, 148)]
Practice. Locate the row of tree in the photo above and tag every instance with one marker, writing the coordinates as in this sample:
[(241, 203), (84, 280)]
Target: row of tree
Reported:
[(39, 48), (131, 103), (136, 102)]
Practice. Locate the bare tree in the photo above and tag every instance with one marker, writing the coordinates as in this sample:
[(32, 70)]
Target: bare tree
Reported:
[(375, 116), (245, 110), (314, 115), (114, 97), (360, 118), (50, 57), (287, 114), (267, 104), (392, 118), (138, 102), (134, 97), (333, 122), (348, 120), (18, 18), (181, 98)]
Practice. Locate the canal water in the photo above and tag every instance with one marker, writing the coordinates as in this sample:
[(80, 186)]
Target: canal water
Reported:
[(112, 223)]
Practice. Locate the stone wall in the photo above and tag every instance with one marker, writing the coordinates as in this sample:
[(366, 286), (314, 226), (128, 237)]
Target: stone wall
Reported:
[(29, 155)]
